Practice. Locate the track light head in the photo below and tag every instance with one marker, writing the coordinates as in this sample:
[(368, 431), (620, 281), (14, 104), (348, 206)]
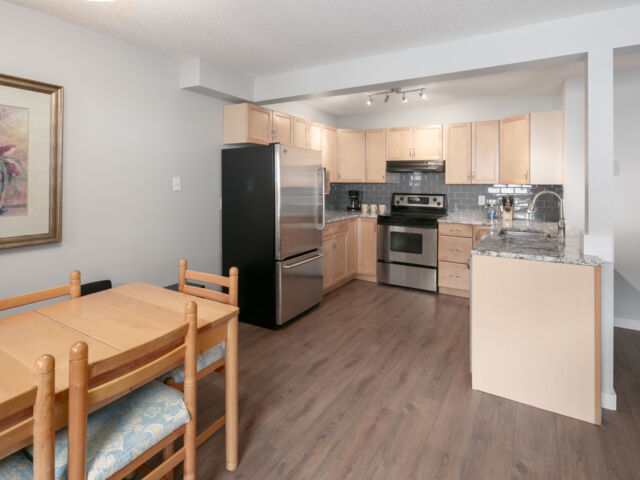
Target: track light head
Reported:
[(386, 99), (370, 100), (404, 98), (423, 95)]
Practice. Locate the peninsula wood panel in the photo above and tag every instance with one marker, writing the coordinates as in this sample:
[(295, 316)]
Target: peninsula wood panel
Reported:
[(351, 156), (427, 142), (547, 148), (514, 150), (540, 343), (399, 144), (457, 148), (485, 152), (282, 128), (375, 154)]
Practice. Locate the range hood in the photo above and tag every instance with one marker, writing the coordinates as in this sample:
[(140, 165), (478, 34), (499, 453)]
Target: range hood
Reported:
[(416, 166)]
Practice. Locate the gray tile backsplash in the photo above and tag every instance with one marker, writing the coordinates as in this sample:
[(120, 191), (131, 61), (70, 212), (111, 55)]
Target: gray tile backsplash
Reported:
[(459, 197)]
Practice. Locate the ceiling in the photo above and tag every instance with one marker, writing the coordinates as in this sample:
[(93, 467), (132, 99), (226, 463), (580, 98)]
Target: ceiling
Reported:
[(262, 37)]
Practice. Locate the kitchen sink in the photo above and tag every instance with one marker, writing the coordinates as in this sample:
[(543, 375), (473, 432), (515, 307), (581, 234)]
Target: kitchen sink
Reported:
[(525, 233)]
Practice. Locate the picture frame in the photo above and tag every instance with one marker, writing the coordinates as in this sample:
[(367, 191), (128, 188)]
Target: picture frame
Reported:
[(31, 125)]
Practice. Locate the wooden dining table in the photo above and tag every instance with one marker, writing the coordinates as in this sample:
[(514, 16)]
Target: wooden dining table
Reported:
[(110, 322)]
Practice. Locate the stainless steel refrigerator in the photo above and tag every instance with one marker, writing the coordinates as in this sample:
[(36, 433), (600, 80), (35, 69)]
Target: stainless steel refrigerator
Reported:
[(272, 222)]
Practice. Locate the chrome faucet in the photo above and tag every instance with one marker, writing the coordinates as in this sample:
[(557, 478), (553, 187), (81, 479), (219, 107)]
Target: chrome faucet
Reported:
[(532, 206)]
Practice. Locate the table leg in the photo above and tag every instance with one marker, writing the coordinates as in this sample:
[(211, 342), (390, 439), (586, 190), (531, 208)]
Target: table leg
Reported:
[(231, 394)]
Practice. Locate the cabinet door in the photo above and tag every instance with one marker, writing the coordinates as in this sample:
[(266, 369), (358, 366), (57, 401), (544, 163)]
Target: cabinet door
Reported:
[(330, 155), (514, 150), (327, 261), (399, 144), (457, 140), (353, 246), (547, 148), (300, 132), (282, 126), (259, 125), (375, 165), (315, 136), (427, 142), (351, 155), (485, 152), (340, 261), (367, 242)]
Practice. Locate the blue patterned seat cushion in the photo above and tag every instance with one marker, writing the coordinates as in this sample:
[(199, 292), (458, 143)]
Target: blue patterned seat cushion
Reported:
[(206, 358), (126, 428), (16, 467)]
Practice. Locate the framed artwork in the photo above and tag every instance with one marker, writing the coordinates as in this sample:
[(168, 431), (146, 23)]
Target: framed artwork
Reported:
[(30, 162)]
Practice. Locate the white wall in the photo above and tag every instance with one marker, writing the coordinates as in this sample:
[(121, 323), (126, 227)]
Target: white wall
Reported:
[(492, 109), (575, 155), (305, 111), (128, 129), (625, 202)]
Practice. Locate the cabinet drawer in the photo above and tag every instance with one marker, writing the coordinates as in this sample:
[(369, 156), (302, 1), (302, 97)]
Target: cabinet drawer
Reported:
[(453, 275), (455, 229), (454, 249), (335, 227)]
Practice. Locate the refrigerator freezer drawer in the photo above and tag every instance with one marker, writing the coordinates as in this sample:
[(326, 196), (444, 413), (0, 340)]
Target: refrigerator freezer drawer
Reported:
[(299, 285), (423, 278)]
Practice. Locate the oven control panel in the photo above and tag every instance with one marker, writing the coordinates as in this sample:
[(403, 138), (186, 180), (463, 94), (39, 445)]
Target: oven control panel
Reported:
[(419, 200)]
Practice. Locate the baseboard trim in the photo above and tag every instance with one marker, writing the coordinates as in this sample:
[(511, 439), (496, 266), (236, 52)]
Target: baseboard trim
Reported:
[(609, 400), (629, 323)]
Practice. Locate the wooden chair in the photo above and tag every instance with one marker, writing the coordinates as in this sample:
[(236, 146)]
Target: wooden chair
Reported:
[(37, 427), (73, 290), (125, 431), (212, 358)]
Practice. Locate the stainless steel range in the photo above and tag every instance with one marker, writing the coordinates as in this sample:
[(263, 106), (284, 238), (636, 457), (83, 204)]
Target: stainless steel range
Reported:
[(408, 240)]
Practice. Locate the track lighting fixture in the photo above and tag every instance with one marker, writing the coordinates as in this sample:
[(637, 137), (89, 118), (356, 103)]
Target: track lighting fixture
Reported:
[(387, 94)]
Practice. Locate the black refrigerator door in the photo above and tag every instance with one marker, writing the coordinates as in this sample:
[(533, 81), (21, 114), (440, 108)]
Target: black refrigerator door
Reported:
[(248, 229)]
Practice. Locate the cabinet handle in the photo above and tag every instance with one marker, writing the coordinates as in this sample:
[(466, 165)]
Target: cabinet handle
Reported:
[(455, 250), (473, 175), (526, 174)]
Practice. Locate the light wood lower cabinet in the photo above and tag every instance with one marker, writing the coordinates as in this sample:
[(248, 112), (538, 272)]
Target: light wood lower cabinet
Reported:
[(340, 253), (453, 275), (367, 246), (352, 254)]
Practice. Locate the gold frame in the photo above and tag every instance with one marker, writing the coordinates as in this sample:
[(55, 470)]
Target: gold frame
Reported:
[(55, 163)]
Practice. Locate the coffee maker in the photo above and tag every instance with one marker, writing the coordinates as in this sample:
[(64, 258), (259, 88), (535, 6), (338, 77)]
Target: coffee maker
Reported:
[(354, 200)]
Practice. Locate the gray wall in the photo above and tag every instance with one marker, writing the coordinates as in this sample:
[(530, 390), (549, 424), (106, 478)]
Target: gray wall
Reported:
[(128, 129), (459, 197), (624, 206)]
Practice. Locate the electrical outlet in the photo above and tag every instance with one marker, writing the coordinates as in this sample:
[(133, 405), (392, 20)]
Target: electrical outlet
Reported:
[(177, 184), (481, 200)]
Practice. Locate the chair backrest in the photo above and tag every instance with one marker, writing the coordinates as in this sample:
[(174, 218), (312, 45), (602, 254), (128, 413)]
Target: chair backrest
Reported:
[(73, 290), (230, 282), (130, 369), (19, 429)]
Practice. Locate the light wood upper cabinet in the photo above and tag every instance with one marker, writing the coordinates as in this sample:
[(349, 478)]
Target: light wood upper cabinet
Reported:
[(351, 156), (514, 149), (330, 155), (427, 142), (247, 123), (282, 128), (457, 148), (485, 152), (367, 246), (375, 165), (399, 143), (314, 141), (300, 132), (547, 148)]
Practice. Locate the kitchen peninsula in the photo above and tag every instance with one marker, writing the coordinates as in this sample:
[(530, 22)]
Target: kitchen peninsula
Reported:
[(535, 319)]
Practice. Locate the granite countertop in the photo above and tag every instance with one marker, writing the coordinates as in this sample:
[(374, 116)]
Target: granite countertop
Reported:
[(337, 215), (471, 217), (553, 248)]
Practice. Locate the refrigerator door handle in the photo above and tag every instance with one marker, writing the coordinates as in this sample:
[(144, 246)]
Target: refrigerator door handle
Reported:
[(323, 177), (320, 255)]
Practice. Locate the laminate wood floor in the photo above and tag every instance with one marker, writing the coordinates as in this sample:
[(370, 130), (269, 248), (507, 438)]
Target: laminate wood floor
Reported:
[(375, 384)]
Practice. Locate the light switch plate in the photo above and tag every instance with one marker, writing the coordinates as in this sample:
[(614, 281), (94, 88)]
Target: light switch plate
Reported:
[(177, 184), (481, 200)]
